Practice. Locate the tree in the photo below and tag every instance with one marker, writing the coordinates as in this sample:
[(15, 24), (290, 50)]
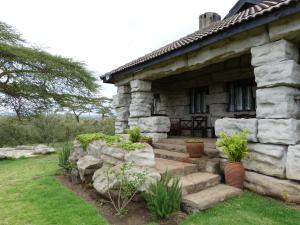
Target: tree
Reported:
[(32, 76)]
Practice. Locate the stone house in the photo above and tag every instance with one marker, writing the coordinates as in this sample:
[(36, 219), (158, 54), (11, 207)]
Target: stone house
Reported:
[(239, 72)]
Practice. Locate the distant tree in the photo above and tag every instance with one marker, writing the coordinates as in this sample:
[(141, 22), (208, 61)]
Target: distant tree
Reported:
[(31, 76), (106, 109)]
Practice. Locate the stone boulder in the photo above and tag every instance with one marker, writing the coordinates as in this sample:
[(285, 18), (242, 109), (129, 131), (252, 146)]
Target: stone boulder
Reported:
[(141, 98), (278, 188), (274, 52), (141, 157), (140, 85), (121, 100), (43, 150), (122, 113), (293, 163), (230, 125), (120, 127), (87, 165), (285, 73), (277, 102), (140, 110), (101, 182), (279, 131), (77, 152), (155, 124)]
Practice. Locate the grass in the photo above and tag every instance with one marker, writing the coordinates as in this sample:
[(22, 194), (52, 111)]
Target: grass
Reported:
[(31, 195), (249, 209)]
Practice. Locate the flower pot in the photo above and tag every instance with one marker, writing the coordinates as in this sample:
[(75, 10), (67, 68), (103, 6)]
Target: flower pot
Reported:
[(147, 141), (195, 149), (235, 174)]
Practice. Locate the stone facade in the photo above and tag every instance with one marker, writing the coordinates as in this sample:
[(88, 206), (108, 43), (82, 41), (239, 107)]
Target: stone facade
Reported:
[(273, 166)]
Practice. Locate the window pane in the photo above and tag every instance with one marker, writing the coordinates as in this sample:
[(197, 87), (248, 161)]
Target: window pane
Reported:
[(232, 99), (239, 98), (192, 104), (198, 101), (248, 99)]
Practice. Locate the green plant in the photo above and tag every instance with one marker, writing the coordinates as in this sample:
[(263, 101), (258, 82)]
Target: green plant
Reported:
[(134, 134), (127, 183), (129, 146), (86, 139), (63, 157), (164, 197), (236, 146)]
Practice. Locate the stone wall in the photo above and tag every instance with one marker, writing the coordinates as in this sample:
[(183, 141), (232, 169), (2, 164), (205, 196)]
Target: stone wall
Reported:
[(273, 167)]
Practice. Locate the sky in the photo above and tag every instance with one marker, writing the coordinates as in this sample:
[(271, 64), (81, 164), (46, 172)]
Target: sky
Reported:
[(106, 34)]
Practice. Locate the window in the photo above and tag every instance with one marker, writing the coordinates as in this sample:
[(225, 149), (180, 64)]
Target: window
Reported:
[(242, 96), (198, 100)]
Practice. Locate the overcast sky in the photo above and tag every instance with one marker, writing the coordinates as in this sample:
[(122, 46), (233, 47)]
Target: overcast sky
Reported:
[(106, 34)]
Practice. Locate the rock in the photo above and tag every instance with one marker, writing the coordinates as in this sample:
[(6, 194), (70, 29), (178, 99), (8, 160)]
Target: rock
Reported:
[(75, 178), (122, 114), (43, 149), (141, 98), (141, 157), (285, 73), (283, 189), (230, 126), (279, 131), (101, 184), (111, 160), (156, 137), (121, 100), (95, 148), (124, 89), (157, 124), (120, 127), (87, 165), (133, 122), (115, 152), (77, 152), (24, 147), (277, 103), (276, 151), (293, 163), (140, 85), (274, 52), (140, 110)]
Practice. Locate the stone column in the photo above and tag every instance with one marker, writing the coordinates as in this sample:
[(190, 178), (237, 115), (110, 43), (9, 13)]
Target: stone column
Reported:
[(121, 104), (277, 74), (141, 100)]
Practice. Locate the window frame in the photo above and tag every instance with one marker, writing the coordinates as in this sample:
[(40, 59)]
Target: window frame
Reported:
[(204, 107), (244, 85)]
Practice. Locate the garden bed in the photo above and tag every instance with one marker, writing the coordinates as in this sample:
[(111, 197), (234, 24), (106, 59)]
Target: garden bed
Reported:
[(137, 211)]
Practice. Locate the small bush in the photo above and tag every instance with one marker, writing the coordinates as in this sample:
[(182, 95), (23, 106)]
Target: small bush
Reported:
[(128, 183), (63, 157), (164, 197), (236, 146), (134, 134)]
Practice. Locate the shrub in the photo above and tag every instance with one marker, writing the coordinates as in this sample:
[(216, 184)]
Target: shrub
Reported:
[(236, 146), (134, 134), (164, 197), (128, 183), (49, 128), (63, 157)]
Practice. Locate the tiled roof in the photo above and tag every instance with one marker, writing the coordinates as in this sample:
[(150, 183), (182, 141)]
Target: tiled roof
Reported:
[(250, 13)]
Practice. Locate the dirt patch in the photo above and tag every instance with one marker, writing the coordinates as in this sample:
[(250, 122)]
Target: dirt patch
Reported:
[(138, 213)]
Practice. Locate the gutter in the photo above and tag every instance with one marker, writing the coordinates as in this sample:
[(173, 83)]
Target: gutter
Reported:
[(227, 33)]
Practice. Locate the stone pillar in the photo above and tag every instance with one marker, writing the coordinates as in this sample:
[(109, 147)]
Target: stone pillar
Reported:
[(141, 100), (277, 74), (121, 104)]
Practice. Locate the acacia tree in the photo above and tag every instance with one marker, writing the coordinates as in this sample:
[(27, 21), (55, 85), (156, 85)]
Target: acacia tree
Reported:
[(31, 76)]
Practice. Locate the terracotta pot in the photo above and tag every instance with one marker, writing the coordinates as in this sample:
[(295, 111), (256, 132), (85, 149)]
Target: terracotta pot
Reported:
[(235, 174), (195, 149), (147, 141)]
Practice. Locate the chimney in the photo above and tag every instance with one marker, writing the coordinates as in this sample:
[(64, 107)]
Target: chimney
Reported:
[(208, 18)]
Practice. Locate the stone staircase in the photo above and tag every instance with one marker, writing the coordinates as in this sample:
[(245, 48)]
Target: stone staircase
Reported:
[(200, 190)]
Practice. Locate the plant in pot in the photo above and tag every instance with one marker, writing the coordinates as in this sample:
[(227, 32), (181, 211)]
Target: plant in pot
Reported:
[(145, 139), (195, 148), (235, 147)]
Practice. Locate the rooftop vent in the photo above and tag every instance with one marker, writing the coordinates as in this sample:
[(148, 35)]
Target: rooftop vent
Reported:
[(208, 18)]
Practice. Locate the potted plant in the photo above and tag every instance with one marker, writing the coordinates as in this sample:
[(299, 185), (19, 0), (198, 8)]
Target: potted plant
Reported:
[(145, 139), (236, 149), (195, 148)]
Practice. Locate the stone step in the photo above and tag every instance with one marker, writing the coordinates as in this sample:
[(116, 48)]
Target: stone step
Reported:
[(208, 198), (196, 182), (175, 167), (170, 147)]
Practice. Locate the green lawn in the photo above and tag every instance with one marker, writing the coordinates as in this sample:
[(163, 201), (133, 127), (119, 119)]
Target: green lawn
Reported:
[(30, 194)]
